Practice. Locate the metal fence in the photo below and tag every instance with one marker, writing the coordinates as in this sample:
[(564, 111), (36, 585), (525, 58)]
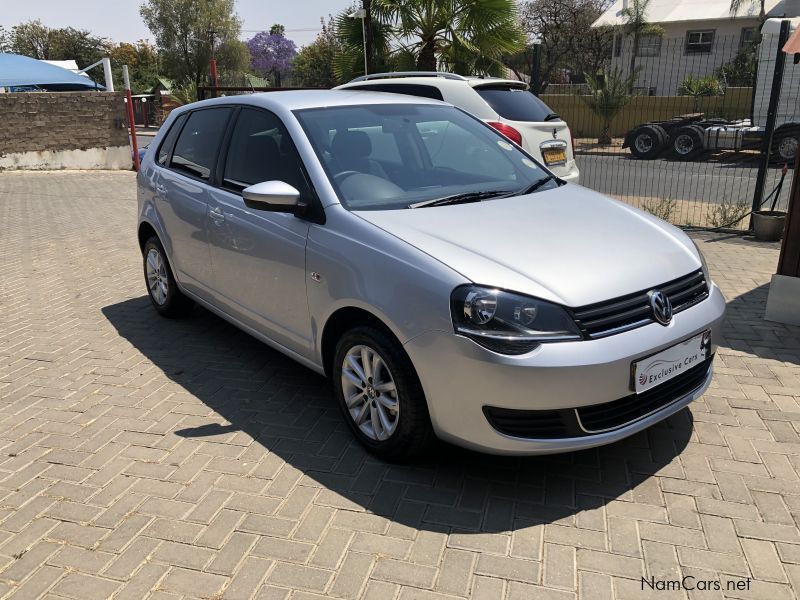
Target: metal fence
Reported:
[(687, 137)]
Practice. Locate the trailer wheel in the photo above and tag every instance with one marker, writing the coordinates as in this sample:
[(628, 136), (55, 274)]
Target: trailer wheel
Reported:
[(648, 141), (687, 142), (785, 142)]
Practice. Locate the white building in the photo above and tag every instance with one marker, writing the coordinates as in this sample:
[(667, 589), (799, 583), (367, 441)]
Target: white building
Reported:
[(699, 37)]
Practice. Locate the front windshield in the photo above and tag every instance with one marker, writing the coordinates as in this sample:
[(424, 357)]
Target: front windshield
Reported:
[(392, 156)]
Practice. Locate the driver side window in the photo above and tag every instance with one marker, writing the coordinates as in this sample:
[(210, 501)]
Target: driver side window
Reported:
[(261, 150)]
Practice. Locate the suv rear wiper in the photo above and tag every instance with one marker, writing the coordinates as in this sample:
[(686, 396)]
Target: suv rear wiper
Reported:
[(552, 117), (537, 184), (461, 198)]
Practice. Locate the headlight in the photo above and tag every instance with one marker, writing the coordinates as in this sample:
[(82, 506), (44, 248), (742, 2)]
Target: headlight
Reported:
[(509, 323), (703, 263)]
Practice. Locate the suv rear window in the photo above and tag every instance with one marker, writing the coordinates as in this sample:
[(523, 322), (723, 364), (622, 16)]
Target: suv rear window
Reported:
[(516, 105), (409, 89)]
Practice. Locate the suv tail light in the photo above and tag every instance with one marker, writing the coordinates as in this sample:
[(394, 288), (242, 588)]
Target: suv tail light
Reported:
[(508, 131)]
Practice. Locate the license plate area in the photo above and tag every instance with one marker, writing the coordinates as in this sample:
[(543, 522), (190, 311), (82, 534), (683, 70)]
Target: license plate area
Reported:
[(671, 362), (554, 156)]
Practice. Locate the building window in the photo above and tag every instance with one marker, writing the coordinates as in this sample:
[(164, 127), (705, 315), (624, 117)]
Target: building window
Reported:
[(748, 37), (699, 42), (617, 45), (649, 45)]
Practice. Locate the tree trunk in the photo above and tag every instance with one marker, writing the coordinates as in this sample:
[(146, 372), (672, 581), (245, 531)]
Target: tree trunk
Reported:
[(605, 138), (367, 5), (426, 61), (634, 52)]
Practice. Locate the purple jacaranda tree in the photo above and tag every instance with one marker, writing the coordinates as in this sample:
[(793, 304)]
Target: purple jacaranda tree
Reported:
[(271, 54)]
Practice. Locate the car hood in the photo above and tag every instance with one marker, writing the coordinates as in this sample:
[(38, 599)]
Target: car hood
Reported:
[(569, 245)]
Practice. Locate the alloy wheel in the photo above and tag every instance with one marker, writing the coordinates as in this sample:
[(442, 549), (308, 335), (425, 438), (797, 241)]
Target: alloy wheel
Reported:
[(370, 393), (157, 280)]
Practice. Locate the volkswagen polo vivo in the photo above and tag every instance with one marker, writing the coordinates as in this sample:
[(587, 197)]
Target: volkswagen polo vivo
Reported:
[(445, 281)]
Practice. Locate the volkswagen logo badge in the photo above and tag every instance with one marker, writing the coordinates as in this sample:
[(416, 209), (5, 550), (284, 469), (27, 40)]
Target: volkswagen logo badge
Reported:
[(661, 307)]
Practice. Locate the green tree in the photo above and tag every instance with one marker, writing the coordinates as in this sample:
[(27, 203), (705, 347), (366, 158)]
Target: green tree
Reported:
[(5, 41), (469, 36), (313, 65), (185, 30), (635, 25), (741, 71), (607, 97), (38, 41), (568, 42), (142, 60), (277, 29), (698, 87)]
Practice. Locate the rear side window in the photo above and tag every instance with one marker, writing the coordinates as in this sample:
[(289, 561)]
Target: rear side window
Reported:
[(516, 104), (196, 149), (409, 89), (169, 141)]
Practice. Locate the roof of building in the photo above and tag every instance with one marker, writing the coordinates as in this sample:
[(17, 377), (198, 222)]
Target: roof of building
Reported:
[(23, 71), (674, 11)]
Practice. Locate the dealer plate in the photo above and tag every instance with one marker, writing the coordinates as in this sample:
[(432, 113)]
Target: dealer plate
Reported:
[(554, 156), (675, 360)]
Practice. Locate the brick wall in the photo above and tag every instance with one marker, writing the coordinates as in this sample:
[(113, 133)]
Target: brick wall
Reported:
[(56, 121)]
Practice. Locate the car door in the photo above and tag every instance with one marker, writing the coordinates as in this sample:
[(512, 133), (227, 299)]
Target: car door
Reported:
[(182, 196), (258, 256)]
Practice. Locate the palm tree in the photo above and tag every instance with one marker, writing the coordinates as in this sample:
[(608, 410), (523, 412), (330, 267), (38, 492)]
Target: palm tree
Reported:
[(607, 97), (464, 35), (635, 24)]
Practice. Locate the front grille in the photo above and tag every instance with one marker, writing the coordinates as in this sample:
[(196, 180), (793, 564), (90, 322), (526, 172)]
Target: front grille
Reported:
[(602, 417), (589, 420), (631, 311)]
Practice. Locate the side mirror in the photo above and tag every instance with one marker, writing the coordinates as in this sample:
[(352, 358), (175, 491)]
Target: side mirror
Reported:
[(277, 196)]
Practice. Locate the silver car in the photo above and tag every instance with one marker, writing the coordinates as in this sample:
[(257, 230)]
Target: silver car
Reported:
[(447, 283)]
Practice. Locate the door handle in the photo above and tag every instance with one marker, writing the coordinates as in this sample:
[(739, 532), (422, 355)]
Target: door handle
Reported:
[(161, 189), (217, 215)]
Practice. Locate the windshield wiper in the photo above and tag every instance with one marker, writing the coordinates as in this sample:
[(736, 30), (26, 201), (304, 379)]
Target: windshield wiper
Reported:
[(552, 117), (461, 198), (536, 185)]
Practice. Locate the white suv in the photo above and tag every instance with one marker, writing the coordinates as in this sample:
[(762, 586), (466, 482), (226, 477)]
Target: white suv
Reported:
[(505, 104)]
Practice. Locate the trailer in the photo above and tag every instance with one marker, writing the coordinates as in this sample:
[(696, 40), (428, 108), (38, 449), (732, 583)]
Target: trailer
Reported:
[(689, 136)]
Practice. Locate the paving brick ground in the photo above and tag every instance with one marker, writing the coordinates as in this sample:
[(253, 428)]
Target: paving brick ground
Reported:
[(145, 458)]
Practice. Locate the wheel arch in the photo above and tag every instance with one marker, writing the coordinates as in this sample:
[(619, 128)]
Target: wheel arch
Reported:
[(339, 322), (145, 232)]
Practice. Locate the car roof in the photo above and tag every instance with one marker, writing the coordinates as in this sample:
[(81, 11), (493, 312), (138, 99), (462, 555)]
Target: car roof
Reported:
[(440, 80), (302, 99)]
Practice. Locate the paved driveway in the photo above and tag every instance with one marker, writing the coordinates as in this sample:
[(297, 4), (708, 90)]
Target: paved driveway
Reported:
[(141, 457)]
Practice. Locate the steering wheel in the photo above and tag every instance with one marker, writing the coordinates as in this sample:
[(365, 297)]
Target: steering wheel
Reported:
[(339, 177)]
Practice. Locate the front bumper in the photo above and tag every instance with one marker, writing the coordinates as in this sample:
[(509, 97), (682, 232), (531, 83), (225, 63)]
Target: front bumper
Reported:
[(460, 378)]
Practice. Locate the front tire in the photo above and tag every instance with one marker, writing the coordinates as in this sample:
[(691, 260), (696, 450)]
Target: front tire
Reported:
[(380, 395), (162, 289)]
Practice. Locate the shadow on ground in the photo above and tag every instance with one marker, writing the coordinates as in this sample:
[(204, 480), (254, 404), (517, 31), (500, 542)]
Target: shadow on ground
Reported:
[(289, 410), (746, 330)]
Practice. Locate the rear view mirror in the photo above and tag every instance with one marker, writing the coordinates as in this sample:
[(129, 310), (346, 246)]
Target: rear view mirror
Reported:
[(277, 196)]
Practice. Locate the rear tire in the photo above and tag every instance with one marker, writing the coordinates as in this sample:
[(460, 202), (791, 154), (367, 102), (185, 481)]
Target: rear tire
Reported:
[(785, 142), (162, 289), (647, 142), (380, 395), (687, 142)]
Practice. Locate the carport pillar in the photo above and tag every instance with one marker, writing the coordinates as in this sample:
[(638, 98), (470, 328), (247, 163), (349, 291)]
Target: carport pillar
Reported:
[(783, 301), (131, 122), (107, 74)]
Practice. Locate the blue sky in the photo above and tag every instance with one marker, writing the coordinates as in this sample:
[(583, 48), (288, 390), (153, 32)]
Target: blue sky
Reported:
[(120, 21)]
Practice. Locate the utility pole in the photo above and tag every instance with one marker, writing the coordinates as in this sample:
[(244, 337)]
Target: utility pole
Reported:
[(368, 44), (212, 34)]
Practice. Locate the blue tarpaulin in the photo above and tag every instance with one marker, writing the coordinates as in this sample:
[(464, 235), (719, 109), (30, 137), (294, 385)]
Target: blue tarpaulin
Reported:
[(23, 72)]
